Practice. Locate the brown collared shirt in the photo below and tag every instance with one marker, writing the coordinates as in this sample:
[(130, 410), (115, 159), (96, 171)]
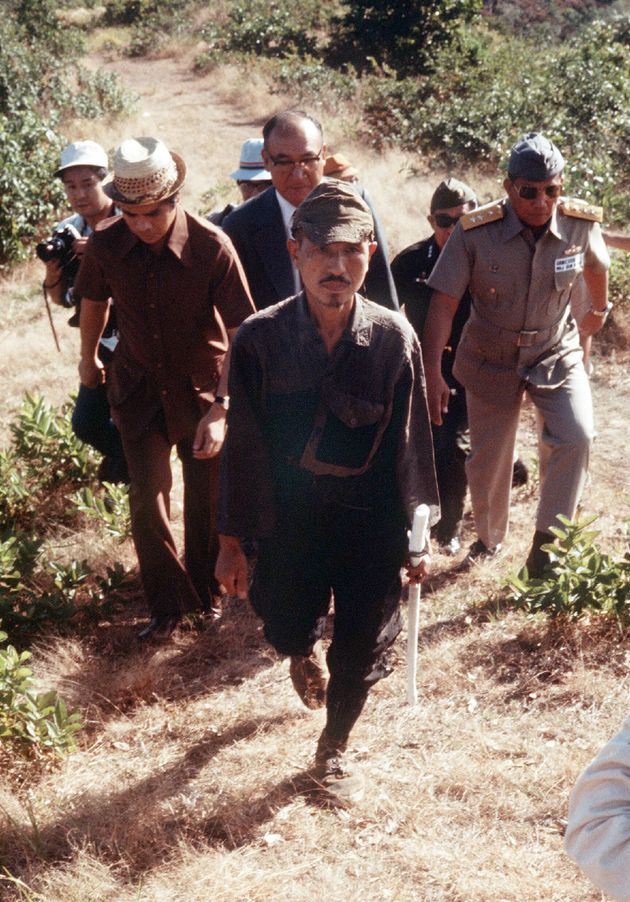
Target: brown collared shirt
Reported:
[(307, 427), (173, 310)]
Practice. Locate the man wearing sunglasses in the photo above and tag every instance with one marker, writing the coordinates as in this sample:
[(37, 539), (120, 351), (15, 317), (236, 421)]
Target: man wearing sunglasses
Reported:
[(294, 152), (521, 258), (411, 269)]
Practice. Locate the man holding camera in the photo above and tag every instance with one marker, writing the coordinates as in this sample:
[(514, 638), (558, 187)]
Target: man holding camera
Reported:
[(82, 169)]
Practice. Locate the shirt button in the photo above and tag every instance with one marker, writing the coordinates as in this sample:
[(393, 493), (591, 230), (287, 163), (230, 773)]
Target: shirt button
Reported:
[(493, 291), (152, 306), (155, 335), (164, 392), (353, 421)]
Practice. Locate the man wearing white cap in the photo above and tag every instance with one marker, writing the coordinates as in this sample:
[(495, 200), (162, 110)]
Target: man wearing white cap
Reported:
[(251, 177), (82, 169), (180, 293)]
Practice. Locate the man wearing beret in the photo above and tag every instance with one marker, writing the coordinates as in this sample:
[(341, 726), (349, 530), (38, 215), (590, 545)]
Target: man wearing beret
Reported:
[(411, 269), (327, 455), (180, 294), (521, 259)]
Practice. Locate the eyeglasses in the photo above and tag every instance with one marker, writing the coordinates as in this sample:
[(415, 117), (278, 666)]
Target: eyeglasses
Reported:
[(444, 221), (531, 192), (288, 165)]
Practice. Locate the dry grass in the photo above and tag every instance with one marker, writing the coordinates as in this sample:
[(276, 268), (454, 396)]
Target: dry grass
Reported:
[(187, 783)]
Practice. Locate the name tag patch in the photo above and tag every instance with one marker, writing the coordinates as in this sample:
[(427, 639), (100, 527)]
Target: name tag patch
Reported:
[(565, 264)]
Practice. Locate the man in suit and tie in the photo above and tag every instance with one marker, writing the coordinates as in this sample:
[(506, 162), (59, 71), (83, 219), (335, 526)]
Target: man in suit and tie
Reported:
[(294, 153)]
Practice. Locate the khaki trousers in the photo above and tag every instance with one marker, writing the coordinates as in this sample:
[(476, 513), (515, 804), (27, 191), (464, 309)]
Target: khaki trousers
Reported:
[(566, 416)]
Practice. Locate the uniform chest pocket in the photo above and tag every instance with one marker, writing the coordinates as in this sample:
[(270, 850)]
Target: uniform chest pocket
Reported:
[(567, 270), (350, 431)]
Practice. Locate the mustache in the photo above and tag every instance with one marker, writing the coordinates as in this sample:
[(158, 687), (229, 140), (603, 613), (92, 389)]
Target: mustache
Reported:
[(335, 280)]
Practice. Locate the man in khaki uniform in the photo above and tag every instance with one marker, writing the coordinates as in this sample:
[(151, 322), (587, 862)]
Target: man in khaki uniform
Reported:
[(521, 259)]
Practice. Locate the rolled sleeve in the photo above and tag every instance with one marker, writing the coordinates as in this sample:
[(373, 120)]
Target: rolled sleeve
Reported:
[(597, 837)]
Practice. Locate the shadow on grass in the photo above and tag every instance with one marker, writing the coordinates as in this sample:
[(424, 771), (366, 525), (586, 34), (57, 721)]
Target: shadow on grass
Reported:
[(117, 672), (132, 829)]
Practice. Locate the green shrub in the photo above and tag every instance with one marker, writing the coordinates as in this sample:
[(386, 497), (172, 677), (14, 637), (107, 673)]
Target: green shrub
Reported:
[(582, 578), (403, 36), (262, 29), (112, 510), (44, 437), (477, 102), (311, 82), (31, 721)]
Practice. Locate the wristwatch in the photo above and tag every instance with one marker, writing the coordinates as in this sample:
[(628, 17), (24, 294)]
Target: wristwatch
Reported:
[(222, 402), (603, 313)]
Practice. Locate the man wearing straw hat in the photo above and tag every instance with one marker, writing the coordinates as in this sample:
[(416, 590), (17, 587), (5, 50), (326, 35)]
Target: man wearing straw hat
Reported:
[(327, 456), (180, 293)]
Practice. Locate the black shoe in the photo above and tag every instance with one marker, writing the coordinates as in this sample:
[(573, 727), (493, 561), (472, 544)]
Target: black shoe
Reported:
[(520, 474), (159, 628), (538, 560), (479, 553)]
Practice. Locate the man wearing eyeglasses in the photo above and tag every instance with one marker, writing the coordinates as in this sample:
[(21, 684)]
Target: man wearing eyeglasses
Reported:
[(521, 258), (294, 153)]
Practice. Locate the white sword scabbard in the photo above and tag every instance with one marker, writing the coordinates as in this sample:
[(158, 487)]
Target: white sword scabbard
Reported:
[(417, 547)]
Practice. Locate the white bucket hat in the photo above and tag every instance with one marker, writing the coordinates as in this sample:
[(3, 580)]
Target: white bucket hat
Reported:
[(252, 166), (145, 172), (82, 153)]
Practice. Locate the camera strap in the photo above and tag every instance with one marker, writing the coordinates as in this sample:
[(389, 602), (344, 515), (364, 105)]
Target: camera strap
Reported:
[(50, 319)]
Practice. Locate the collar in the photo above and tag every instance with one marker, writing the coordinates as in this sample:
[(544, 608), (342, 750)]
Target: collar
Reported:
[(287, 211), (358, 330), (514, 226), (178, 241)]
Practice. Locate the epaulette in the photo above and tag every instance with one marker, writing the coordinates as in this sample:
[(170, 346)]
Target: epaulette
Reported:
[(581, 209), (482, 215)]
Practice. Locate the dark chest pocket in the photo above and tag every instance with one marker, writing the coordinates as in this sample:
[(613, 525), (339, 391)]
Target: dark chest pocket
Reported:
[(351, 428)]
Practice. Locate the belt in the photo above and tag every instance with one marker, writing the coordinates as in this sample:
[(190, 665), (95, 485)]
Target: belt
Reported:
[(525, 338)]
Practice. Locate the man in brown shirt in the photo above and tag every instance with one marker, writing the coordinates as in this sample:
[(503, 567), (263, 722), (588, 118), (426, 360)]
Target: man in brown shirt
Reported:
[(180, 294)]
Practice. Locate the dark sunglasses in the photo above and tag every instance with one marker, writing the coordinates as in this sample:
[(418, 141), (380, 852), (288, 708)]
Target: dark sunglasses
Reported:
[(531, 192), (444, 221)]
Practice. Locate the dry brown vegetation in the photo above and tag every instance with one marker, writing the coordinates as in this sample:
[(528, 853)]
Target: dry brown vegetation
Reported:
[(187, 782)]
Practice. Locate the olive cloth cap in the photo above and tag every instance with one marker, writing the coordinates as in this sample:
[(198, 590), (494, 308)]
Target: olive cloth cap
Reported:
[(452, 193), (145, 172), (535, 158), (333, 211)]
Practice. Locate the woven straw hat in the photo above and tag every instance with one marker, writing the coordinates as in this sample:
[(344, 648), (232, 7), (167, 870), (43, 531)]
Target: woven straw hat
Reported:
[(145, 172)]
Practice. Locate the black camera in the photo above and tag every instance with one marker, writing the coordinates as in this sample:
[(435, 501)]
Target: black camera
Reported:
[(59, 247)]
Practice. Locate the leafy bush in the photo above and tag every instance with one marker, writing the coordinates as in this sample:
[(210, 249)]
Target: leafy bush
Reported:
[(39, 82), (30, 720), (402, 36), (311, 82), (581, 578), (35, 592), (45, 460), (112, 510), (44, 437), (477, 102)]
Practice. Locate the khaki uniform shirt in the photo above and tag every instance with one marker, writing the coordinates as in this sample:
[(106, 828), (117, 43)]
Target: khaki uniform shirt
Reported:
[(520, 328), (173, 311)]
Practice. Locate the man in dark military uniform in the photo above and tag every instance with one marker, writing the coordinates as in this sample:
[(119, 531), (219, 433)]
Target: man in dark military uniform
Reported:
[(411, 269), (521, 258)]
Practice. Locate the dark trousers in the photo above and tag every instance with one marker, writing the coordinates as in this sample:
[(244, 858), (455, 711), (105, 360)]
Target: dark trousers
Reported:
[(92, 424), (450, 447), (357, 556), (172, 588)]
